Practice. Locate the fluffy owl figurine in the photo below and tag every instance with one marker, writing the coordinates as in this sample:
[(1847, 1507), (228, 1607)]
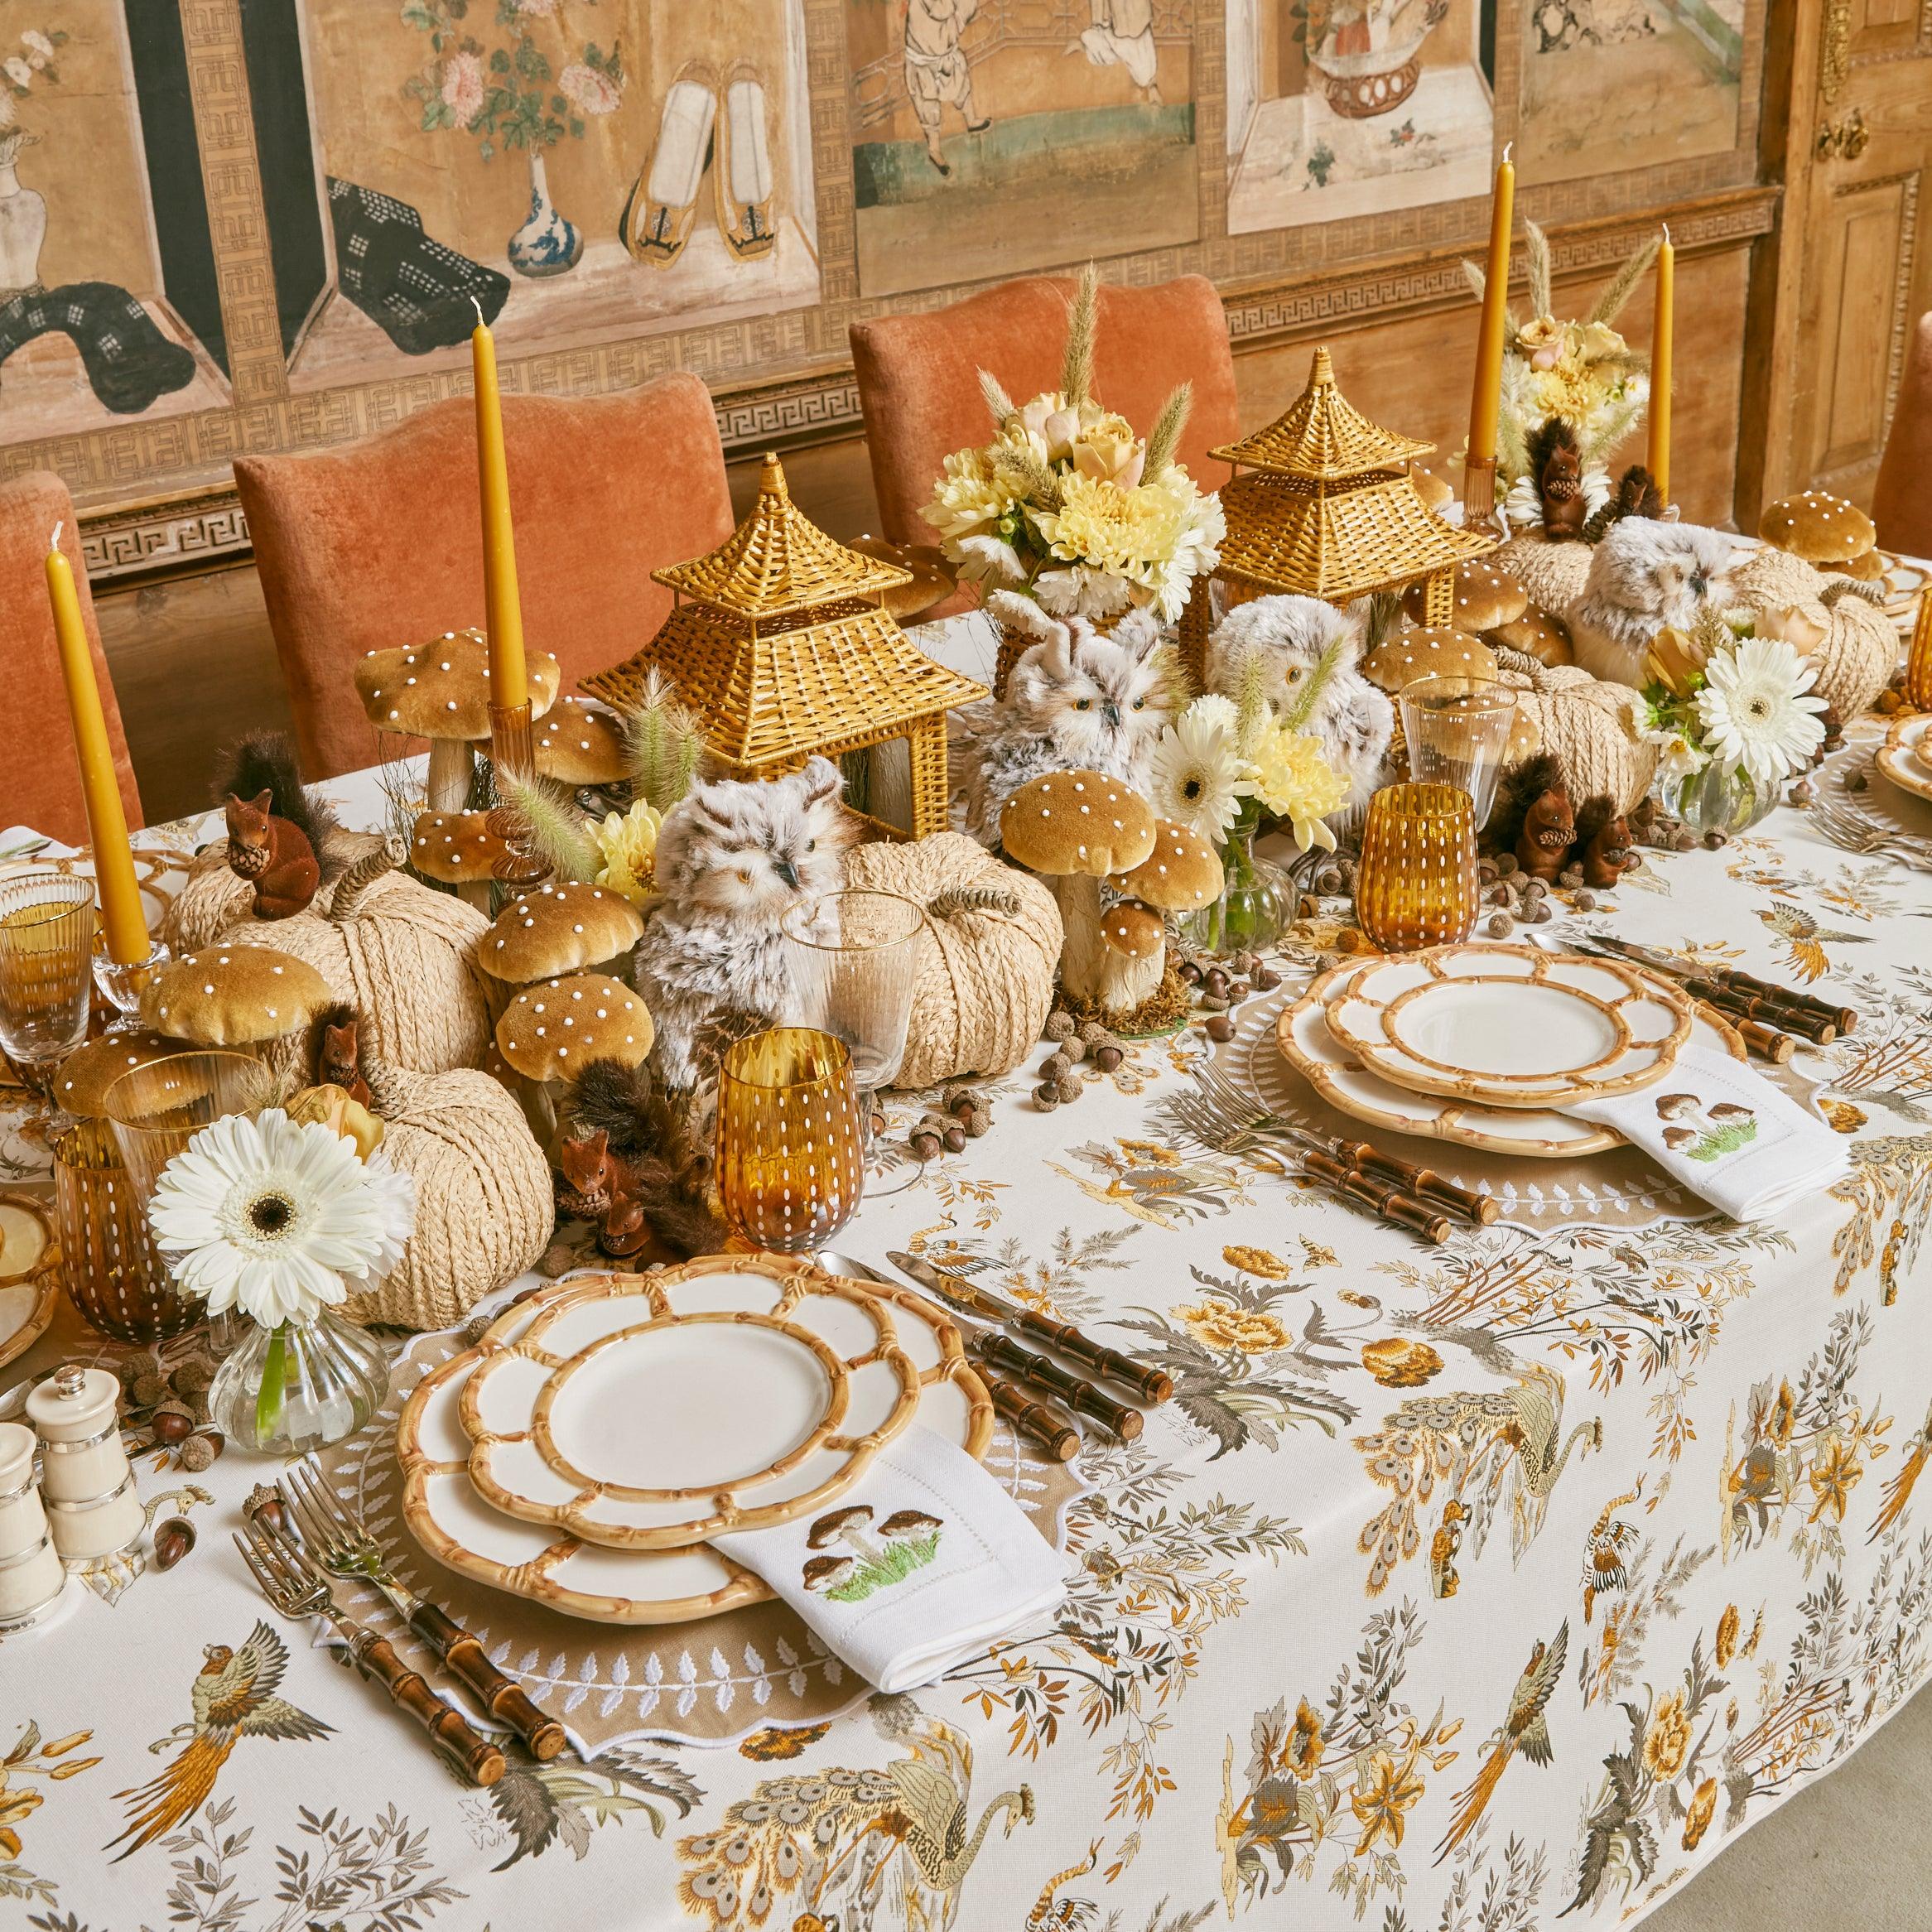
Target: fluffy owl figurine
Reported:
[(1305, 653), (732, 859), (1643, 576), (1075, 700)]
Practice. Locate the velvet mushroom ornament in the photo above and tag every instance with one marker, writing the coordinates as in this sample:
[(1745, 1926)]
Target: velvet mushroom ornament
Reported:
[(458, 849), (80, 1087), (554, 929), (1410, 654), (550, 1031), (234, 996), (579, 744), (1076, 829), (1485, 597), (440, 691)]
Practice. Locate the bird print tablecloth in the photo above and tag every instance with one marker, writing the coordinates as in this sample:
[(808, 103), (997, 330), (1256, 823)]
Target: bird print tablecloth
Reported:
[(1458, 1589)]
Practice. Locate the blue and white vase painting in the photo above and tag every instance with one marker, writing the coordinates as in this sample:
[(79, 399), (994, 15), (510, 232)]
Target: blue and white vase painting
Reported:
[(546, 244)]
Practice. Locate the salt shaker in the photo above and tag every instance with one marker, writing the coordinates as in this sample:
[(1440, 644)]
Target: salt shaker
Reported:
[(86, 1476), (31, 1574)]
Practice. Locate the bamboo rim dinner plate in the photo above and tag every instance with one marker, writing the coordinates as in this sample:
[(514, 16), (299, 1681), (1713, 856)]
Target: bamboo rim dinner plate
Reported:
[(648, 1411), (455, 1524), (1333, 1071), (1905, 755), (30, 1275)]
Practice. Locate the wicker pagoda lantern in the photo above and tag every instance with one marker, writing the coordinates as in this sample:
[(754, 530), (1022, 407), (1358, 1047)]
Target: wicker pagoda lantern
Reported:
[(780, 644), (1321, 504)]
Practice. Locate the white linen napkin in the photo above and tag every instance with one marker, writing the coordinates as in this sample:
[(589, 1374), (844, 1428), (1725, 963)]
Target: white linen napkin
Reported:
[(1726, 1133), (924, 1561)]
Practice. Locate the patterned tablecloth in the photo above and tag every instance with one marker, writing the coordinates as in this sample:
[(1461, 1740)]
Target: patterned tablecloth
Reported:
[(1459, 1588)]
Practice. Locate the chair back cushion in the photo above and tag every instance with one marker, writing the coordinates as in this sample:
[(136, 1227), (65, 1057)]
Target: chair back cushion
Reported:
[(381, 543), (40, 783), (1901, 501), (919, 380)]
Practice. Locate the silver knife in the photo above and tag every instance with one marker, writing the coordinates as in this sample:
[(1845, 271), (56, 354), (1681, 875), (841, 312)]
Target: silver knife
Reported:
[(1148, 1383)]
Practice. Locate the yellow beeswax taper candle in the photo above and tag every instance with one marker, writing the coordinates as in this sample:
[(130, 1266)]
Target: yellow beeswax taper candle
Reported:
[(503, 612), (115, 886), (1487, 397), (1661, 327)]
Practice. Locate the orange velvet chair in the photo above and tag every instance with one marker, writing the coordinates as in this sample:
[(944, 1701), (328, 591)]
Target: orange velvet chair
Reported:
[(381, 544), (40, 780), (1901, 501), (920, 382)]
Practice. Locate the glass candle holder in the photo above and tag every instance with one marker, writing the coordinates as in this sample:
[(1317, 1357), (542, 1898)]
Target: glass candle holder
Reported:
[(113, 1273), (1416, 884), (46, 969), (1457, 728), (791, 1146), (157, 1110), (1919, 658)]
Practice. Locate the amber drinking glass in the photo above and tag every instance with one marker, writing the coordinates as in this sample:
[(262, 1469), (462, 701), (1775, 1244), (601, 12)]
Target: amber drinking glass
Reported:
[(1416, 883), (791, 1145), (108, 1257), (46, 969), (1457, 728)]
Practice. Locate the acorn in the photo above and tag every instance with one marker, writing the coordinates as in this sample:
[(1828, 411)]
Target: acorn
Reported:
[(1239, 991), (194, 1378), (1047, 1095), (955, 1137), (1328, 881), (1067, 1089), (1502, 926), (1505, 864), (1485, 871), (1074, 1048), (200, 1451), (1585, 902), (1212, 1003), (960, 1101), (1056, 1066), (1059, 1025), (149, 1388), (172, 1421), (1499, 895), (264, 1505), (172, 1541), (1220, 1028), (1107, 1057), (1217, 982), (1264, 979), (1190, 971), (926, 1143), (1536, 887), (1716, 838), (1856, 781), (979, 1121), (1801, 792), (1543, 914)]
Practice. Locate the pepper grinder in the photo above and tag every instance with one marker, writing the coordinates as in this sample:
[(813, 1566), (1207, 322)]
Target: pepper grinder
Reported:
[(32, 1578), (85, 1476)]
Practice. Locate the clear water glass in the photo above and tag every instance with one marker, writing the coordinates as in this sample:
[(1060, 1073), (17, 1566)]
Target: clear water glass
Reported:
[(853, 957), (46, 969), (1457, 728)]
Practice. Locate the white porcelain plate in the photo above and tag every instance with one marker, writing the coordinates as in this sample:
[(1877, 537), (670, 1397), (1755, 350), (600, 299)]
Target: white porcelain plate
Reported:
[(1334, 1072), (647, 1411), (1509, 1026), (1905, 757), (462, 1532)]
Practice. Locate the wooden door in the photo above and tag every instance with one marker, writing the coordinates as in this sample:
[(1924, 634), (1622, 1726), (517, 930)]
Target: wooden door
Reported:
[(1850, 275)]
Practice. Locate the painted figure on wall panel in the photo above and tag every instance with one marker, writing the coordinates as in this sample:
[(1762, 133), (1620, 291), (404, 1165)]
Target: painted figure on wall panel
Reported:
[(996, 136), (1342, 108), (107, 304), (582, 167), (1616, 84)]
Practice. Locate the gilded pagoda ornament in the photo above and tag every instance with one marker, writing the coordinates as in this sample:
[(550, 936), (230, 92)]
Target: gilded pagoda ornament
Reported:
[(1323, 504), (780, 644)]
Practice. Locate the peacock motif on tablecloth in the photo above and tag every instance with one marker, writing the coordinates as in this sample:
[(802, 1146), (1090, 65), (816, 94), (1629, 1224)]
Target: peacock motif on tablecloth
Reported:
[(848, 1842), (1481, 1448)]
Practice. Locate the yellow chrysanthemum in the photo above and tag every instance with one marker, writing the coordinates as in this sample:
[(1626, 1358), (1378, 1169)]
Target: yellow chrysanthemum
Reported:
[(1294, 780), (968, 499), (629, 844), (1158, 536)]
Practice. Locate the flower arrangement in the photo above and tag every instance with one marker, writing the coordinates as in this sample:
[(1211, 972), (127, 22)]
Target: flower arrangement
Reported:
[(32, 63), (1583, 372), (281, 1220), (1732, 714), (1068, 505), (507, 96)]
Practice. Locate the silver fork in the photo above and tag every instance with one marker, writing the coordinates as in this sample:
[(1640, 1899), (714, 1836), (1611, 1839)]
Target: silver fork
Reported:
[(340, 1542), (300, 1590)]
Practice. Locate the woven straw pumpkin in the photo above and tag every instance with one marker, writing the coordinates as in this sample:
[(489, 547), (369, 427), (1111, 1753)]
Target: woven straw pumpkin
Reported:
[(402, 954), (484, 1202), (212, 902), (1860, 648), (1552, 573), (987, 956), (1591, 728)]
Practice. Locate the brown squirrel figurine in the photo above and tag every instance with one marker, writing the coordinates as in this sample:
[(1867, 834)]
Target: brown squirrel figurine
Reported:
[(336, 1050), (1532, 817), (276, 831), (1603, 842), (598, 1187), (1558, 468)]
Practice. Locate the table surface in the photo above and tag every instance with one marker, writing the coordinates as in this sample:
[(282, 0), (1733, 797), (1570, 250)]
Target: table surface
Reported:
[(1457, 1587)]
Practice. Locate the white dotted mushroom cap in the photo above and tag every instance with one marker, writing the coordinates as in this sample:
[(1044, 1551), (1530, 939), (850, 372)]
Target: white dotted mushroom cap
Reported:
[(1077, 823), (440, 689), (554, 1030)]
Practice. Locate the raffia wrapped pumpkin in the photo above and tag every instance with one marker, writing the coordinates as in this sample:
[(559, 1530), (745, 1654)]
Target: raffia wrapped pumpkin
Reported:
[(1858, 650), (212, 902), (987, 956), (1591, 728), (1552, 573), (404, 954), (485, 1206)]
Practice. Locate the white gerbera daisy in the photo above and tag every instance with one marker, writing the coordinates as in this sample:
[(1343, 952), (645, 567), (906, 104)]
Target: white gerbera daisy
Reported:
[(1198, 779), (1755, 709), (277, 1219)]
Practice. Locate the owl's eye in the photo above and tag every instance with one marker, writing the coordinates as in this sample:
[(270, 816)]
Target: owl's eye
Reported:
[(1083, 704), (1140, 704), (743, 875), (1294, 674), (812, 844)]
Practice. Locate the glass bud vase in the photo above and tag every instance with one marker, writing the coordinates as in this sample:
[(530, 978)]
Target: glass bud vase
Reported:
[(1717, 799), (1257, 897), (288, 1389)]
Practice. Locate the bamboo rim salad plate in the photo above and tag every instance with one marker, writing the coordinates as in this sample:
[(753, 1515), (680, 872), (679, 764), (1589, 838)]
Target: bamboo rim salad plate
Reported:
[(1509, 1026), (1333, 1071), (647, 1411), (1903, 757)]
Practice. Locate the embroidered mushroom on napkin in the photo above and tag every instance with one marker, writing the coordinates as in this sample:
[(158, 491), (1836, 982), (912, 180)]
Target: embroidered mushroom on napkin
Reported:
[(1727, 1135), (923, 1562)]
